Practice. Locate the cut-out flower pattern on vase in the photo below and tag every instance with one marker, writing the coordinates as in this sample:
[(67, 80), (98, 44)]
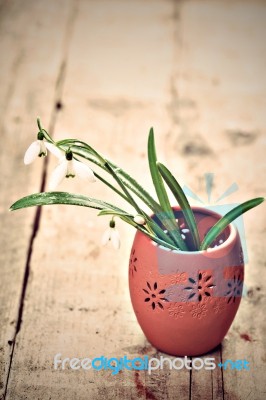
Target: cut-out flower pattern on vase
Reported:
[(199, 311), (200, 288), (154, 296), (133, 262), (176, 310), (234, 289)]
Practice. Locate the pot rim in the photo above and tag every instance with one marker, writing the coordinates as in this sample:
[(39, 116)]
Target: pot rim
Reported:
[(210, 251)]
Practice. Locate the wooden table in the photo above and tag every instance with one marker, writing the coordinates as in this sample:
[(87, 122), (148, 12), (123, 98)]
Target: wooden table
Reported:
[(105, 72)]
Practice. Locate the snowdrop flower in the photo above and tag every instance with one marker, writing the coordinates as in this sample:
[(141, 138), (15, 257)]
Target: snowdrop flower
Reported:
[(69, 168), (111, 234), (39, 148), (139, 220)]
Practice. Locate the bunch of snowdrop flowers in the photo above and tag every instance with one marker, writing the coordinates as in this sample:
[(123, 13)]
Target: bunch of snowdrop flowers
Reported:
[(162, 227), (68, 167)]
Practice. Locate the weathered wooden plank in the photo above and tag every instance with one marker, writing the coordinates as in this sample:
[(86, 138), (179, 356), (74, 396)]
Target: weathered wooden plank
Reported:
[(246, 340), (28, 85), (218, 103), (207, 384), (78, 293)]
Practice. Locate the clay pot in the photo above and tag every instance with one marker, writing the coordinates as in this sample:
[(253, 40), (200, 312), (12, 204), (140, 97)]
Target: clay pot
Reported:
[(185, 302)]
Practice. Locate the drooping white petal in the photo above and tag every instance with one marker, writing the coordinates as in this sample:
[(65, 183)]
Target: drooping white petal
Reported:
[(70, 169), (83, 171), (106, 236), (58, 175), (43, 150), (54, 150), (115, 238), (32, 152)]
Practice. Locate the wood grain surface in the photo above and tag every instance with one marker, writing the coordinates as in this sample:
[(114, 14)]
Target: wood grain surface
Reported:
[(106, 71)]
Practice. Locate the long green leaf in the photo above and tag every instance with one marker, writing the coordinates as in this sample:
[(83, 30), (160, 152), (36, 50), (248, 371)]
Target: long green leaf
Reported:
[(227, 219), (161, 193), (47, 198), (183, 202)]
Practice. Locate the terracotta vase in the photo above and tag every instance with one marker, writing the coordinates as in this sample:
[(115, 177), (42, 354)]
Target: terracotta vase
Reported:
[(185, 302)]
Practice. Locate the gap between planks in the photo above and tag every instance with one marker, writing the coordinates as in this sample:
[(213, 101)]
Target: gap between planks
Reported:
[(37, 217)]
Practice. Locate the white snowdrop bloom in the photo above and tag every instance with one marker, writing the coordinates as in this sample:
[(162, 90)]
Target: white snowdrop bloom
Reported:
[(111, 235), (39, 148), (69, 168), (185, 230), (139, 220)]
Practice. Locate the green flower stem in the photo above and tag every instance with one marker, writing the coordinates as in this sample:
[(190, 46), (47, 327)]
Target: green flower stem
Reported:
[(128, 181), (130, 198), (154, 238), (155, 228), (105, 164), (155, 207), (44, 132), (109, 169)]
